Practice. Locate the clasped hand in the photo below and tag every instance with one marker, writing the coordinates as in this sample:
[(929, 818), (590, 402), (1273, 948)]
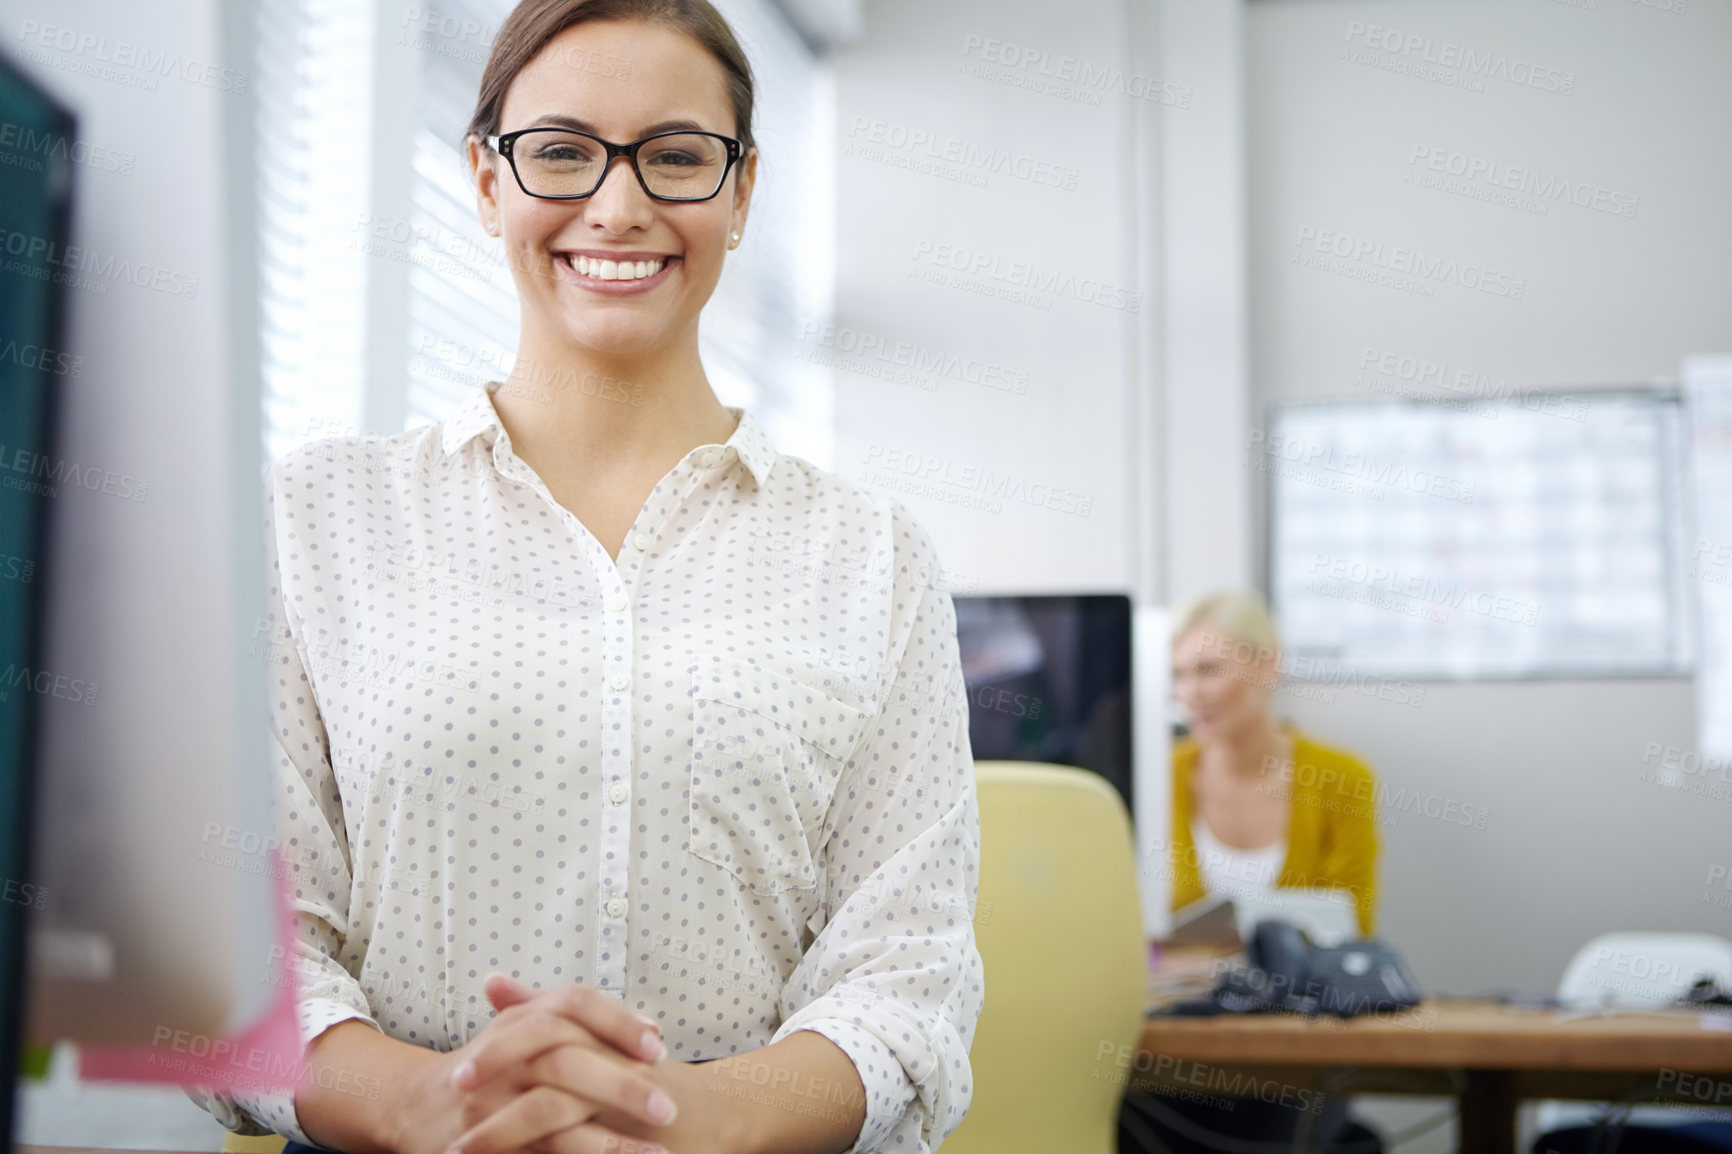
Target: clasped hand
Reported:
[(569, 1071)]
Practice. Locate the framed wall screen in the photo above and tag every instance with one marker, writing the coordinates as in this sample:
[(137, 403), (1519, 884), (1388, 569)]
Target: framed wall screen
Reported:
[(1539, 536)]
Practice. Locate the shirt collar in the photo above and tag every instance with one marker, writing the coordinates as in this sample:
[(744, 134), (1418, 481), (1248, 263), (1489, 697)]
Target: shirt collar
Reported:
[(752, 445), (478, 418)]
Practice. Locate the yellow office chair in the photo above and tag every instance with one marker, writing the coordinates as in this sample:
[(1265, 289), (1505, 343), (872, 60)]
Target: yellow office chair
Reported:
[(1060, 932)]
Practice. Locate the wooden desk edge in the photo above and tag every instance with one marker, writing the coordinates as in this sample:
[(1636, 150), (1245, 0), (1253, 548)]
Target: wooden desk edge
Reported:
[(1450, 1036)]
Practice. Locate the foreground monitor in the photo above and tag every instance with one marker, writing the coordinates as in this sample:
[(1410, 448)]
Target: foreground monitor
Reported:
[(35, 202), (151, 750), (1078, 680)]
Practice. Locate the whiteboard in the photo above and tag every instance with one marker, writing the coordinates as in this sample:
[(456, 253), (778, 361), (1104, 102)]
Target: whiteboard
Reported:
[(1538, 535)]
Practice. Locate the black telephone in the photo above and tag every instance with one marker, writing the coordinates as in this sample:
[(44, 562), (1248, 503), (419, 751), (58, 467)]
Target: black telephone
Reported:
[(1284, 971)]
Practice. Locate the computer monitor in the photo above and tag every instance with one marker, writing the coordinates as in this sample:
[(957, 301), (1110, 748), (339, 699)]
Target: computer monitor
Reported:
[(35, 202), (1078, 680), (151, 747), (1049, 680)]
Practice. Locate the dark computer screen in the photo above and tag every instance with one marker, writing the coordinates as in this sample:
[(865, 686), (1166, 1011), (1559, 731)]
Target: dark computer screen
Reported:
[(35, 215), (1049, 680)]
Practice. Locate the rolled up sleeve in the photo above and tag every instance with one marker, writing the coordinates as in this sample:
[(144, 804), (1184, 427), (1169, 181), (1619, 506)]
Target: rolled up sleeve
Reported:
[(308, 811), (893, 976)]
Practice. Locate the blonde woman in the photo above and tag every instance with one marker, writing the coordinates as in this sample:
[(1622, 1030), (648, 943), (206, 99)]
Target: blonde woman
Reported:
[(683, 857), (1258, 804)]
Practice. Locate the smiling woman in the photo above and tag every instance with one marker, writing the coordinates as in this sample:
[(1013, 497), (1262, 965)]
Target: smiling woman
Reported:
[(763, 762)]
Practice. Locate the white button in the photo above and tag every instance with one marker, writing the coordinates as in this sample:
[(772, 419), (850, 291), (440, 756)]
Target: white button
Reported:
[(617, 605), (616, 907), (640, 540), (617, 793), (710, 458), (619, 681)]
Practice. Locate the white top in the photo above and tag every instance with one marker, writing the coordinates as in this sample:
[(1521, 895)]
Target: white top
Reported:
[(725, 779), (1228, 871)]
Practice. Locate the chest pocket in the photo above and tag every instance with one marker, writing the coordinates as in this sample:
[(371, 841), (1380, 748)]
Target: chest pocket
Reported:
[(767, 751)]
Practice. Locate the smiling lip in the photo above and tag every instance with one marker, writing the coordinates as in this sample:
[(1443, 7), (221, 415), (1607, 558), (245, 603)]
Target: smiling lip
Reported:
[(568, 261)]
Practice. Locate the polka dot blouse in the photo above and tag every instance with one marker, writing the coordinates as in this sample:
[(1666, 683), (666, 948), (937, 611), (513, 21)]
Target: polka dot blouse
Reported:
[(724, 778)]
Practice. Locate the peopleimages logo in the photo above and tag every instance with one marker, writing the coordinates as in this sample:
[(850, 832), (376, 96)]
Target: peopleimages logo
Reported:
[(1421, 590), (40, 357), (1673, 766), (25, 144), (1165, 1072), (1021, 281), (1312, 669), (75, 259), (1409, 262), (950, 157), (1428, 374), (1718, 873), (26, 463), (858, 350), (1482, 66), (46, 684), (1389, 802), (448, 26), (1498, 176), (1271, 449), (1067, 77), (98, 56), (1329, 672), (937, 476)]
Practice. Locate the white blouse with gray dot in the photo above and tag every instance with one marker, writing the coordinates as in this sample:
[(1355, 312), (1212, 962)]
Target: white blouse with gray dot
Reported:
[(724, 778)]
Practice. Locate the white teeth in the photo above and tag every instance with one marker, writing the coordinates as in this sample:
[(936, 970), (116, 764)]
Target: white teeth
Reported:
[(602, 269)]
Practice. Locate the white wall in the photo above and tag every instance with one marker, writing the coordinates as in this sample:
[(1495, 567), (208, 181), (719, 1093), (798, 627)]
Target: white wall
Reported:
[(1073, 360), (1575, 844), (1203, 539), (998, 349)]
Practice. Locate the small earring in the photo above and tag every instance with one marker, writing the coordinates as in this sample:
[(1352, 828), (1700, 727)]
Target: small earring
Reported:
[(492, 227), (736, 240)]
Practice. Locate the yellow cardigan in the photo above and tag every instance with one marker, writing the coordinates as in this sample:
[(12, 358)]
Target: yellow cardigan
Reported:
[(1331, 829)]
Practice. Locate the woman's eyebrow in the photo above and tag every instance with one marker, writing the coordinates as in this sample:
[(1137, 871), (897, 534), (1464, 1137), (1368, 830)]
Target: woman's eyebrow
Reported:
[(559, 120)]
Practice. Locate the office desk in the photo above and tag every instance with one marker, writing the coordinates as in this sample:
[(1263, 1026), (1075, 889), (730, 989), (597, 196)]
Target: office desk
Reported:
[(1487, 1056)]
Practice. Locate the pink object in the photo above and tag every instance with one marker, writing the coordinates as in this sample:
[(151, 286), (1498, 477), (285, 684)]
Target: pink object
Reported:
[(265, 1055)]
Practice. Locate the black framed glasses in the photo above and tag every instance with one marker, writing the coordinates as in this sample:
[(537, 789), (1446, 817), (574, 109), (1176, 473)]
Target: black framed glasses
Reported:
[(564, 164)]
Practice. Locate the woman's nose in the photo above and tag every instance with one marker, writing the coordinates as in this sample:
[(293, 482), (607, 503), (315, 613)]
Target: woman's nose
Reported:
[(620, 203)]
